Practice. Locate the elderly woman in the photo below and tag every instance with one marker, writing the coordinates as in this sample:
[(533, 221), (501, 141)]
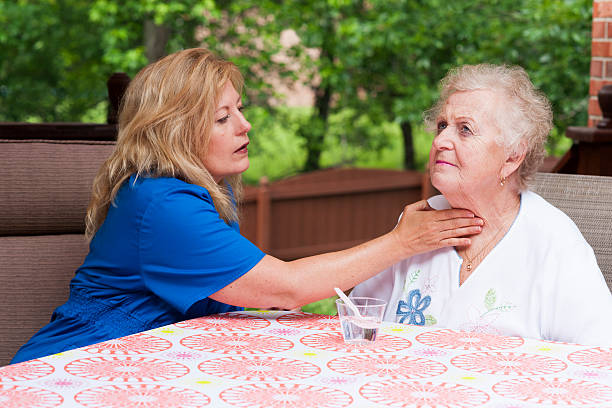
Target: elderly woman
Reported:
[(530, 272)]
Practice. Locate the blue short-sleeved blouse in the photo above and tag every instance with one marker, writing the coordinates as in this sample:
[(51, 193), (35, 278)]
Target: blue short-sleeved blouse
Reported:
[(161, 251)]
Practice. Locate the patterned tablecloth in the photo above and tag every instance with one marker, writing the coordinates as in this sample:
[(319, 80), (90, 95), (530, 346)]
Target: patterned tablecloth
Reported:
[(290, 359)]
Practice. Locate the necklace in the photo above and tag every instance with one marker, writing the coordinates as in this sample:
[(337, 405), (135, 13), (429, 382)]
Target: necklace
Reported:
[(470, 261)]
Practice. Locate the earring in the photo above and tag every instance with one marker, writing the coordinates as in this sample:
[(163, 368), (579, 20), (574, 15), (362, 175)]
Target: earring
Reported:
[(502, 181)]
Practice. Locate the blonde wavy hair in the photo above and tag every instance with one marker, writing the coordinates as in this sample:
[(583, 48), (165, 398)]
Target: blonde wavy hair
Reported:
[(164, 130), (525, 120)]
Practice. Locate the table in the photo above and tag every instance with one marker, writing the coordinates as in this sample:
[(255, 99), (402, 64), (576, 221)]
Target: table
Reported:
[(294, 359)]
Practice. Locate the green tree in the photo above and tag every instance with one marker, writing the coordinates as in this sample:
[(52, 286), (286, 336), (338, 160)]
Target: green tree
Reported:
[(49, 65), (376, 61), (381, 60), (56, 55), (138, 32), (390, 54)]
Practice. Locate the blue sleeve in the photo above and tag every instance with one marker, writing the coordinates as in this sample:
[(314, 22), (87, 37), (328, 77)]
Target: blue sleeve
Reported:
[(187, 252)]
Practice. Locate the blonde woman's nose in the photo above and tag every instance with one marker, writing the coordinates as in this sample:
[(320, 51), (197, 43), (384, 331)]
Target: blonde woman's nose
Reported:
[(245, 125)]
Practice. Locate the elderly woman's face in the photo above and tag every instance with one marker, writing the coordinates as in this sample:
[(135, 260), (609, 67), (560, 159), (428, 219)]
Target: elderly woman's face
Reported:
[(464, 156)]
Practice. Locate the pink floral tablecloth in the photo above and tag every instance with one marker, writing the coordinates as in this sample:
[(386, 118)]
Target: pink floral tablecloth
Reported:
[(291, 359)]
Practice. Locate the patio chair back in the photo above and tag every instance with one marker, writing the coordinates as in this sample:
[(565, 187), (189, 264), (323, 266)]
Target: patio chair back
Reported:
[(44, 192), (587, 200)]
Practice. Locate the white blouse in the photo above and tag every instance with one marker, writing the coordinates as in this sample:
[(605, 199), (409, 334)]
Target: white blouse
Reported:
[(541, 280)]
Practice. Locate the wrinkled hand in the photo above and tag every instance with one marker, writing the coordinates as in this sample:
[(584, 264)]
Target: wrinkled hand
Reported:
[(423, 229)]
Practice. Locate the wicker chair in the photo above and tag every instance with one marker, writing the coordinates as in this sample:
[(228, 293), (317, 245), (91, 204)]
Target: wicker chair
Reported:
[(44, 191), (587, 200)]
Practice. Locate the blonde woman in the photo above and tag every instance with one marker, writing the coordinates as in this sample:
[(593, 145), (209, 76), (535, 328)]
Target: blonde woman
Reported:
[(165, 244), (530, 272)]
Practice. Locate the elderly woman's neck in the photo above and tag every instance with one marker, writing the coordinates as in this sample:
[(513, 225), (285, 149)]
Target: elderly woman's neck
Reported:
[(497, 210)]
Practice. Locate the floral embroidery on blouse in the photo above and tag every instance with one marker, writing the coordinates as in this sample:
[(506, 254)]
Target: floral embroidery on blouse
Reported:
[(482, 322), (413, 308), (411, 279), (491, 299), (410, 309)]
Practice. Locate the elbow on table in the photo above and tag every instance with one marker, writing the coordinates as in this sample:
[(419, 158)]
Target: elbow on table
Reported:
[(262, 296), (278, 284), (289, 300), (271, 284)]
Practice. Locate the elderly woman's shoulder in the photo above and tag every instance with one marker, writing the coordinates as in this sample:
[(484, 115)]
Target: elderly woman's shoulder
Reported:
[(546, 218)]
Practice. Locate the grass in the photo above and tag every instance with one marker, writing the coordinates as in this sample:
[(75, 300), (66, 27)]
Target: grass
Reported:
[(324, 306)]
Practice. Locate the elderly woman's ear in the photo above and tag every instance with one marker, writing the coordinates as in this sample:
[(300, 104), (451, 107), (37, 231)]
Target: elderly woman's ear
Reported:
[(515, 159)]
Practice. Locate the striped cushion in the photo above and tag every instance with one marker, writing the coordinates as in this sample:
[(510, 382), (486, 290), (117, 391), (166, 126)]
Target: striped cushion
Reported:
[(45, 185)]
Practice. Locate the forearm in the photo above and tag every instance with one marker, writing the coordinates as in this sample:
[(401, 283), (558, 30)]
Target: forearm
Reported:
[(316, 276), (275, 283)]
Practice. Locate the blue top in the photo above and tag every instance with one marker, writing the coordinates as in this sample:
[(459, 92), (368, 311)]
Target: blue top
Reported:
[(161, 251)]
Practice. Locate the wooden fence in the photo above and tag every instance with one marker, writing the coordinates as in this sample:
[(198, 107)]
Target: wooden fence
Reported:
[(326, 210)]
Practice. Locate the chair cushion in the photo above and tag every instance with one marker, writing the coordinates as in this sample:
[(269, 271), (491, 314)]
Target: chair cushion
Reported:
[(35, 272), (45, 184), (587, 200)]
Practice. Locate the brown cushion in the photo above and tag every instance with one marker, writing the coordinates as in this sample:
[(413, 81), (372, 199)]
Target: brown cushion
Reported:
[(35, 272), (45, 185)]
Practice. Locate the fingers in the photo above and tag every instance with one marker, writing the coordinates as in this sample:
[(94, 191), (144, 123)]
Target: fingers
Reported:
[(455, 242), (418, 206), (454, 213), (423, 229), (459, 236), (458, 223), (461, 232), (423, 205)]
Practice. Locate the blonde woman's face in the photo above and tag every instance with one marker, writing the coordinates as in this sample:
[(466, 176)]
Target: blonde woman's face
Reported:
[(227, 152)]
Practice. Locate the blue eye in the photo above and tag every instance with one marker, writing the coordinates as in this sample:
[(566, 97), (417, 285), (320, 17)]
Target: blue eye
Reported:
[(466, 129), (441, 126)]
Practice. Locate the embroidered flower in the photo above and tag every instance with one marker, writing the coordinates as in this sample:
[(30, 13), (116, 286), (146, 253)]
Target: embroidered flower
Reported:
[(413, 308), (483, 321)]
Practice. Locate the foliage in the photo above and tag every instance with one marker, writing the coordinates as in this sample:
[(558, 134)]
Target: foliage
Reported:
[(230, 28), (277, 151), (374, 64), (385, 57), (56, 69), (49, 66), (323, 306)]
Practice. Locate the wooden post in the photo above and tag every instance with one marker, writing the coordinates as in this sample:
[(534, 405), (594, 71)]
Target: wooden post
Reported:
[(592, 150), (116, 85), (427, 189), (263, 215)]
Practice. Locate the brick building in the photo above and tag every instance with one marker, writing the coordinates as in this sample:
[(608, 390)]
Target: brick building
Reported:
[(601, 55)]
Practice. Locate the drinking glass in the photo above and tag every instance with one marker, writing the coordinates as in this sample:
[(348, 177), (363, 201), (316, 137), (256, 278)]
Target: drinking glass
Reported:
[(361, 330)]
